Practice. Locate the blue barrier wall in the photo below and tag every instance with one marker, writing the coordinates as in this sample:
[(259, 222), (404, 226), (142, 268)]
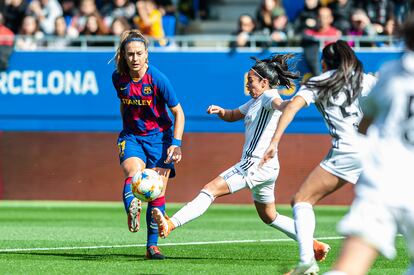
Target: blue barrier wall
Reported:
[(72, 91)]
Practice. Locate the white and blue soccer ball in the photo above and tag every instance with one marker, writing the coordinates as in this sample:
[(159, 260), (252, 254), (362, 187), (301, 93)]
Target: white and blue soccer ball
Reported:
[(147, 186)]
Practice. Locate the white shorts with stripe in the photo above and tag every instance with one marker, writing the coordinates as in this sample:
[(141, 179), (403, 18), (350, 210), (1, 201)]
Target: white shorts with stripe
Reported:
[(261, 182), (345, 165)]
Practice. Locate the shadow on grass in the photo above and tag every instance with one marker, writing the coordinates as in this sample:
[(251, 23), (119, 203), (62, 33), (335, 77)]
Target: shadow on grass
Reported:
[(133, 257), (84, 257)]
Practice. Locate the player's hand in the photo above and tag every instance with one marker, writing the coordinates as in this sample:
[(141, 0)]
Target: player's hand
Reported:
[(214, 109), (173, 154), (269, 154)]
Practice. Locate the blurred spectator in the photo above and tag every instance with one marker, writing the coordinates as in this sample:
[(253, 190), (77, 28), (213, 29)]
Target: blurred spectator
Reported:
[(267, 10), (246, 28), (94, 25), (87, 8), (324, 30), (390, 29), (69, 9), (279, 31), (119, 25), (342, 10), (378, 12), (30, 34), (167, 7), (14, 11), (45, 12), (361, 25), (194, 9), (149, 20), (307, 18), (202, 9), (117, 8), (63, 34), (6, 44), (401, 9), (311, 37)]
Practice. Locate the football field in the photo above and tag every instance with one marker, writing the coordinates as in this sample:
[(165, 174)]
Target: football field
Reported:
[(92, 238)]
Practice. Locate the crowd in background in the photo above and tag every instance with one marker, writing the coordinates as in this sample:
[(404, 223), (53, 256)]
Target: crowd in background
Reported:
[(332, 18), (158, 19), (72, 18)]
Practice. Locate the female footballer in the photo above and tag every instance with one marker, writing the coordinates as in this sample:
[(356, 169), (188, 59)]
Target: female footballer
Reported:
[(260, 114), (148, 138), (335, 94)]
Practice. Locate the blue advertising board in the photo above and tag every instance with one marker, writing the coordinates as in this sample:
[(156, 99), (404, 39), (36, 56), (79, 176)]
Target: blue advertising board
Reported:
[(72, 91)]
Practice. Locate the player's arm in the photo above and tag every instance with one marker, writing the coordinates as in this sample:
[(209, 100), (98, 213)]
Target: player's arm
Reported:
[(179, 121), (285, 119), (225, 114), (364, 124), (174, 151), (279, 104), (121, 108)]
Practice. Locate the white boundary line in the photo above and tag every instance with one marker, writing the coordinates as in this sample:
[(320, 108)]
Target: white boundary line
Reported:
[(5, 250)]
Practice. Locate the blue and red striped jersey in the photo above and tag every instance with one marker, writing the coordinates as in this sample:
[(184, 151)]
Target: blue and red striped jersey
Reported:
[(145, 102)]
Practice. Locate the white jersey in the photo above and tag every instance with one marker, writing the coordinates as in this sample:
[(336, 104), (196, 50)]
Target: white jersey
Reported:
[(260, 122), (342, 122), (388, 159)]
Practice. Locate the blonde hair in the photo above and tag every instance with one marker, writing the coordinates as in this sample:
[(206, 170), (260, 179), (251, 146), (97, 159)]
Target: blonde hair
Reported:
[(126, 37)]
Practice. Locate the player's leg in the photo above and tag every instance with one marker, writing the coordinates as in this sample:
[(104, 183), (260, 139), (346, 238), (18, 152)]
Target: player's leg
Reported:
[(230, 181), (356, 257), (317, 185), (156, 147), (132, 159), (132, 205), (194, 209), (268, 214), (264, 201), (158, 204), (265, 207)]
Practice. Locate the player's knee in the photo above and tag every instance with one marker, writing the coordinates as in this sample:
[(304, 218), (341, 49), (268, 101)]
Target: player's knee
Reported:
[(294, 200), (303, 197), (267, 215), (267, 218), (217, 189)]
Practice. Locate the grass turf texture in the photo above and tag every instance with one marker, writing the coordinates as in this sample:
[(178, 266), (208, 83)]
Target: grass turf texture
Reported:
[(92, 238)]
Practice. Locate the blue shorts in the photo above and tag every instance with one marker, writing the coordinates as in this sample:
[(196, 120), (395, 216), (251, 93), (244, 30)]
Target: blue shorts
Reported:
[(151, 149)]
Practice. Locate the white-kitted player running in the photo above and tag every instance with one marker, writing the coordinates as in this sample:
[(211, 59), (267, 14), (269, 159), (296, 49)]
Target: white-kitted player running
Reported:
[(384, 203), (336, 94), (261, 114)]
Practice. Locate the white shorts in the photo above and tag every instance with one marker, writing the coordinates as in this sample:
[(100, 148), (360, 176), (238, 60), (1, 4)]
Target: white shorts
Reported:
[(378, 225), (344, 165), (261, 181)]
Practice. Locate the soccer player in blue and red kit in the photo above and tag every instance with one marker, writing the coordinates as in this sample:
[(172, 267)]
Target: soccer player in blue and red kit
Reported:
[(148, 138)]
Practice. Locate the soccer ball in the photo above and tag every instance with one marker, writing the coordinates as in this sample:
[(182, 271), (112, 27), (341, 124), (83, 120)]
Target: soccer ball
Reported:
[(147, 186)]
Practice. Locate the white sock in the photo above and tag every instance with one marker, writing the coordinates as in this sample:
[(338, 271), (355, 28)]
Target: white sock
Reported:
[(193, 209), (305, 227), (285, 224)]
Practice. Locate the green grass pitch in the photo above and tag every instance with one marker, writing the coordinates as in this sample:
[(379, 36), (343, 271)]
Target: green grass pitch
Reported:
[(92, 238)]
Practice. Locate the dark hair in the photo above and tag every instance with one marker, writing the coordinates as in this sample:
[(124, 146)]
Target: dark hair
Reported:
[(127, 36), (348, 75), (277, 69), (408, 31)]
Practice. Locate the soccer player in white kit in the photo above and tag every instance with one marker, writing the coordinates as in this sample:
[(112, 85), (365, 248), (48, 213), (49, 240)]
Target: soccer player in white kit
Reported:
[(384, 202), (336, 94), (261, 114)]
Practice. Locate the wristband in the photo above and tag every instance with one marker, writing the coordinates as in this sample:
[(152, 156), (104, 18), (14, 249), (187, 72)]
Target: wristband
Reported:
[(176, 142)]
